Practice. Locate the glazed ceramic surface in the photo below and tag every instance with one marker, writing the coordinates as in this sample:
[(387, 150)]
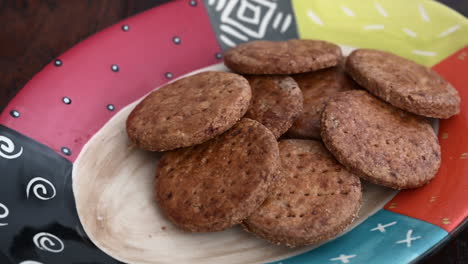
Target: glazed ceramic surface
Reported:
[(73, 190)]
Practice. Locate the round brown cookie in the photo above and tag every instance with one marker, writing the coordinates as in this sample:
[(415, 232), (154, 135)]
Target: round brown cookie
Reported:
[(276, 102), (380, 143), (313, 200), (403, 83), (282, 57), (217, 184), (318, 87), (189, 111)]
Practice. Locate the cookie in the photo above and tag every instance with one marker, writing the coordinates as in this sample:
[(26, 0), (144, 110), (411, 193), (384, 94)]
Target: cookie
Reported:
[(403, 83), (189, 111), (379, 142), (276, 102), (215, 185), (314, 199), (282, 57), (318, 87)]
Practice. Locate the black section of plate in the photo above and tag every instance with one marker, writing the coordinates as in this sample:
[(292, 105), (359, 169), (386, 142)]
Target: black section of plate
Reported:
[(239, 21), (38, 217), (460, 6)]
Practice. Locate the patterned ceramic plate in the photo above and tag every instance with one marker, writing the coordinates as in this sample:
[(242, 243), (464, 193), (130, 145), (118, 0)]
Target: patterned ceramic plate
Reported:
[(72, 189)]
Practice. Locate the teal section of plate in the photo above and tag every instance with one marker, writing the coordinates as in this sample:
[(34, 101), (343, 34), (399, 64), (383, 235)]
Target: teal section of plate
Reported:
[(384, 238)]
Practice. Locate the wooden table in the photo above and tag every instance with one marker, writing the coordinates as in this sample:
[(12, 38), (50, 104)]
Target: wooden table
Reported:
[(35, 32)]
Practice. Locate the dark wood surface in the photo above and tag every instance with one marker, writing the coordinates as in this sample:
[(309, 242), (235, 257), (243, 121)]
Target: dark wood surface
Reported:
[(32, 33)]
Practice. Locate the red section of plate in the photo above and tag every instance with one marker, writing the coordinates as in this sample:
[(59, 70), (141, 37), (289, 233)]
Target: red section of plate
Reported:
[(108, 71), (443, 201)]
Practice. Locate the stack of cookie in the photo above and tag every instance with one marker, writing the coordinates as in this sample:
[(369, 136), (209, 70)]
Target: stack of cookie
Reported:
[(223, 164)]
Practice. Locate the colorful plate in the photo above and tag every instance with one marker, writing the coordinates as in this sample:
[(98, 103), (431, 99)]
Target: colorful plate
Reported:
[(72, 102)]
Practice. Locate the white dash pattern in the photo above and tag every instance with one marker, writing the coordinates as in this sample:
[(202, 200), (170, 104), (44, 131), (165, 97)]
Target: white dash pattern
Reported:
[(449, 31), (423, 13), (286, 23), (410, 32), (314, 17), (374, 27), (227, 40), (381, 10), (348, 11), (277, 20), (220, 5), (425, 53), (233, 32)]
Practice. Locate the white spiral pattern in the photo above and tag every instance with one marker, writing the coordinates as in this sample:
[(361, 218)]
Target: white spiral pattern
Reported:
[(4, 214), (41, 184), (7, 149), (48, 242)]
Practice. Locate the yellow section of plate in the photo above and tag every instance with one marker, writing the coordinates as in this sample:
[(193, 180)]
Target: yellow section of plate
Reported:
[(424, 31)]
